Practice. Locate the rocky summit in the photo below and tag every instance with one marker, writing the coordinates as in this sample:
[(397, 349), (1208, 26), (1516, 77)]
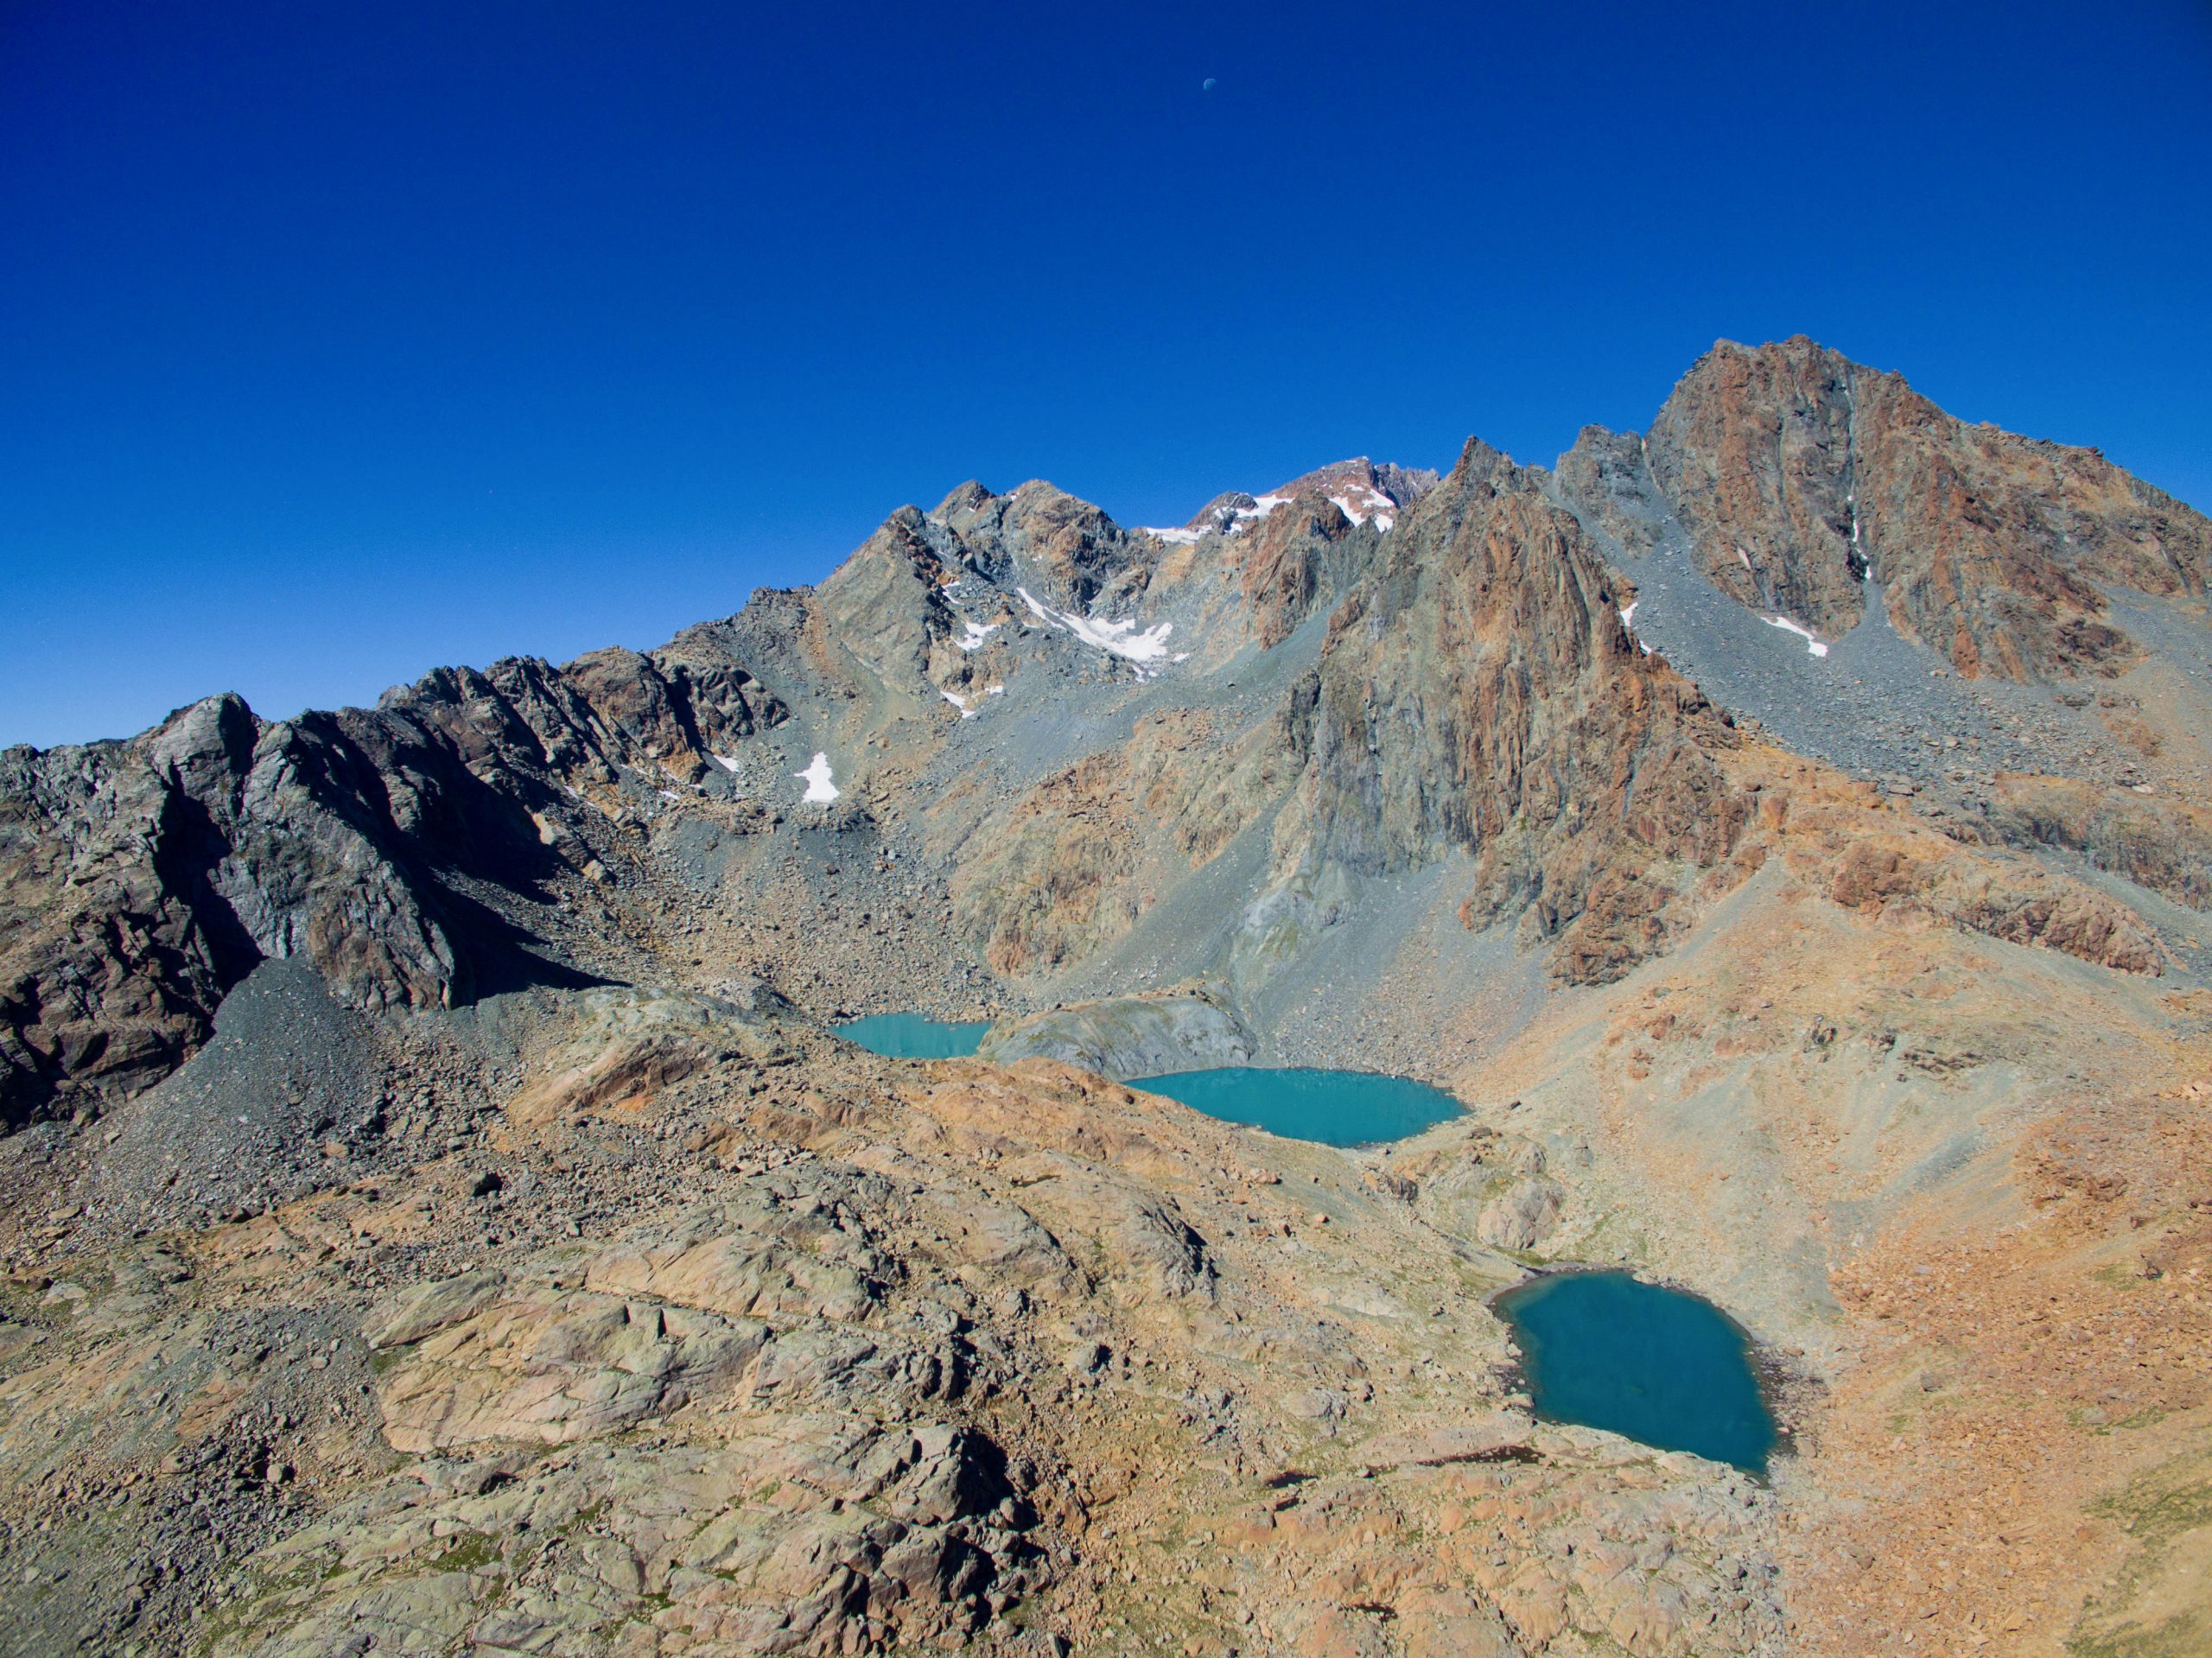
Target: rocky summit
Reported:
[(439, 1216)]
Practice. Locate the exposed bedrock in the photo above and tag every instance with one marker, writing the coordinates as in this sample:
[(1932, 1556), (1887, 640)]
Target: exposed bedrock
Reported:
[(397, 851), (1126, 1037), (437, 1213), (1807, 481)]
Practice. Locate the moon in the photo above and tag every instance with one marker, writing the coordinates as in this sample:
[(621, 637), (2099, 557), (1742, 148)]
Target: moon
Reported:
[(1208, 85)]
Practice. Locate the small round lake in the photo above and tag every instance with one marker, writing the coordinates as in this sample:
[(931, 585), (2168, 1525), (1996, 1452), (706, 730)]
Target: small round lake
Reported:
[(1654, 1364), (1338, 1108), (909, 1036)]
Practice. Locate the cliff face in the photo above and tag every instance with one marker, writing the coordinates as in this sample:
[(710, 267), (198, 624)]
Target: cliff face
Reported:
[(1470, 691), (1368, 669), (144, 878), (388, 848), (1754, 451), (2000, 546), (1479, 694), (1803, 477), (1785, 833)]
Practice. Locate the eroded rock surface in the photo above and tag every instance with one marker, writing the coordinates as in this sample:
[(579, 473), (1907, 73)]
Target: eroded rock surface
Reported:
[(1129, 1036), (1804, 477), (438, 1219)]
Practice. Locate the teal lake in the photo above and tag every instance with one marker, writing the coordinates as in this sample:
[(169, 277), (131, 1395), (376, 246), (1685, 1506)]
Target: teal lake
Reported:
[(1654, 1364), (1337, 1108), (909, 1036)]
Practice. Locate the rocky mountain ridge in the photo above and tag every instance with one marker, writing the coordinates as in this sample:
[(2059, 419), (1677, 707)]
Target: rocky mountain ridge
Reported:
[(1722, 814), (418, 834)]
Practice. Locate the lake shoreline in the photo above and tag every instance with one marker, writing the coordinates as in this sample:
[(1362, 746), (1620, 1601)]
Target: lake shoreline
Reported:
[(1777, 1388)]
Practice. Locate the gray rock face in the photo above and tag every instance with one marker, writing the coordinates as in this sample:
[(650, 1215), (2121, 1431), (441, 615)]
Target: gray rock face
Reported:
[(390, 849), (1127, 1037), (1376, 671), (1479, 692), (143, 878)]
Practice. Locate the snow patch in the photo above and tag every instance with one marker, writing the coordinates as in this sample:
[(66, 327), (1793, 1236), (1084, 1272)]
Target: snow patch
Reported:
[(976, 633), (1373, 504), (995, 690), (1628, 616), (727, 762), (818, 786), (669, 794), (1117, 639), (958, 702), (1225, 520), (1813, 645), (1262, 506)]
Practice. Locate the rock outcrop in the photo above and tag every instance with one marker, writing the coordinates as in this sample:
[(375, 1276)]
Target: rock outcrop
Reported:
[(437, 1215), (1127, 1036), (400, 851), (1479, 694), (1806, 482), (2165, 845)]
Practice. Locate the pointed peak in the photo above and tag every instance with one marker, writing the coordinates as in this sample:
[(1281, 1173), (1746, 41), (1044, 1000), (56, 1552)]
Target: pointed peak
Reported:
[(967, 498), (1798, 356), (1479, 462), (1044, 490), (220, 726)]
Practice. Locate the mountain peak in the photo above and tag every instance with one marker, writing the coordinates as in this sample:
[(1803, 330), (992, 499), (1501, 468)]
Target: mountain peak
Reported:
[(1813, 487), (1544, 784), (966, 498), (1361, 490)]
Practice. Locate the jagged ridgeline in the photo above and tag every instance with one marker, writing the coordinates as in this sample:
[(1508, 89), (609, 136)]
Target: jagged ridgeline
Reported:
[(1123, 754), (1767, 855)]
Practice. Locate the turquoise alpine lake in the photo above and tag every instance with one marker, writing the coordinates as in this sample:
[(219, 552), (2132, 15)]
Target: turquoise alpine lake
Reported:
[(1604, 1351), (1337, 1108), (909, 1036)]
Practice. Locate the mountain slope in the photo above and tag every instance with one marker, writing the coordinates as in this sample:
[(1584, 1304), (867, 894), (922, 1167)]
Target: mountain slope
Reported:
[(438, 1212), (1803, 477)]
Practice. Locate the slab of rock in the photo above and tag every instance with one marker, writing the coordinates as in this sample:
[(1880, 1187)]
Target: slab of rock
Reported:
[(1126, 1037), (1479, 1436)]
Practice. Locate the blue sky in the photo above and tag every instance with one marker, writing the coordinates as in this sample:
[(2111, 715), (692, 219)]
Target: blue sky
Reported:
[(337, 343)]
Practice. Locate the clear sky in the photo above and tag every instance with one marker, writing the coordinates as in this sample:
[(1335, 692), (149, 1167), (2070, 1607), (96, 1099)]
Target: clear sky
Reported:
[(337, 342)]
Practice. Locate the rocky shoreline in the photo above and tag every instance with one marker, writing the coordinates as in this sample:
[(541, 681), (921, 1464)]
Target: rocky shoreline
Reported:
[(437, 1215)]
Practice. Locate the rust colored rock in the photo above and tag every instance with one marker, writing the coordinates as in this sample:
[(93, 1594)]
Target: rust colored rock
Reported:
[(1800, 475), (1478, 692)]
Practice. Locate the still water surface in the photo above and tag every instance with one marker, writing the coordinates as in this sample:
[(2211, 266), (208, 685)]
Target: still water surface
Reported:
[(1652, 1363), (1338, 1108), (909, 1036)]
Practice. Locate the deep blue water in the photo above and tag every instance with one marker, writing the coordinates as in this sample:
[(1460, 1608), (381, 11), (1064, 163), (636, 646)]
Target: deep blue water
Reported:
[(1654, 1364), (1338, 1108), (909, 1036)]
